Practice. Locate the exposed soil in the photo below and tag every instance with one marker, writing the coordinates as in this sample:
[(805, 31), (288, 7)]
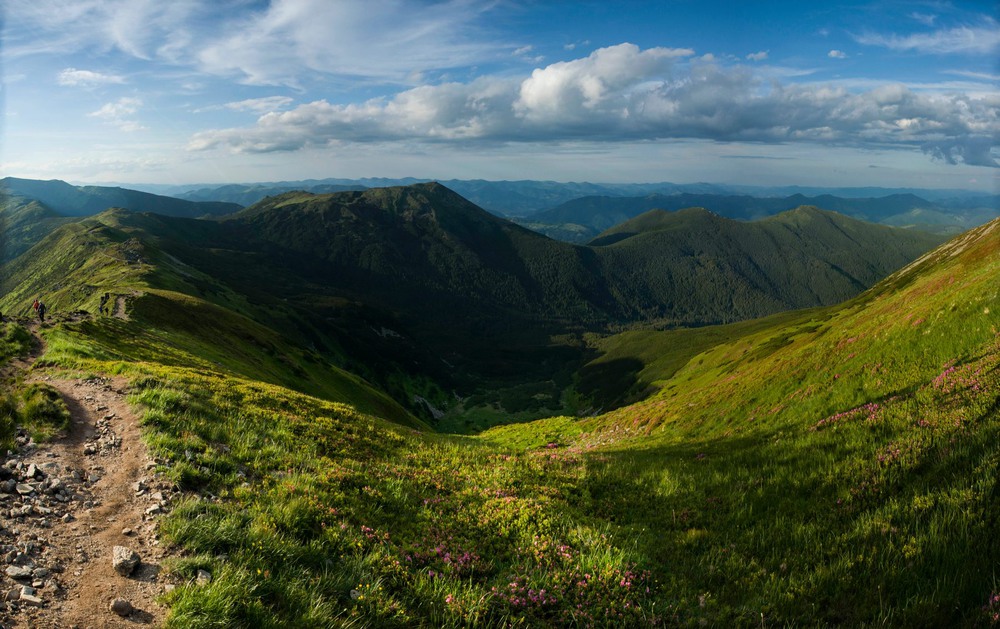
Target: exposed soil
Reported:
[(66, 504)]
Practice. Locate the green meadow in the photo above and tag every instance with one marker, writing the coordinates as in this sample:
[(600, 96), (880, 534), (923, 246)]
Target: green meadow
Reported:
[(833, 466)]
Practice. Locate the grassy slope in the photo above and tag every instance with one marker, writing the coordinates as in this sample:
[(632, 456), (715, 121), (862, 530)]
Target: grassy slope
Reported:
[(22, 224), (757, 481), (839, 468), (76, 264), (695, 266)]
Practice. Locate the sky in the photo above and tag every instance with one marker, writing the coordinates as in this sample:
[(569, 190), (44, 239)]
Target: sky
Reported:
[(872, 93)]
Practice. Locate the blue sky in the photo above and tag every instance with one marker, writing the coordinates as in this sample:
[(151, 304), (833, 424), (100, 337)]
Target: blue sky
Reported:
[(882, 93)]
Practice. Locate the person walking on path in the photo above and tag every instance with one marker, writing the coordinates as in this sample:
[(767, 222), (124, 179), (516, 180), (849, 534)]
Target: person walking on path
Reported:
[(35, 305), (41, 312)]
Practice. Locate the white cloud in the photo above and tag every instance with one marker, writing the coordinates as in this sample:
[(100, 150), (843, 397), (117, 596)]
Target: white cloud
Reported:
[(623, 93), (566, 92), (982, 39), (119, 113), (278, 42), (260, 105), (985, 76), (72, 77), (351, 38), (758, 56), (927, 19), (837, 54), (140, 28)]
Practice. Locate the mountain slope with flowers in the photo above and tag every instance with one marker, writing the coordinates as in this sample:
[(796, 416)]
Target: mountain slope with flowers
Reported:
[(833, 466)]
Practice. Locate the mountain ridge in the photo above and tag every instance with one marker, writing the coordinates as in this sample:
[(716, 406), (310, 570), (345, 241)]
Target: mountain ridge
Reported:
[(77, 201), (833, 466)]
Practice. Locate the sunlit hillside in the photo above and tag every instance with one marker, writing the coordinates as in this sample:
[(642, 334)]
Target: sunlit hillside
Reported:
[(829, 466)]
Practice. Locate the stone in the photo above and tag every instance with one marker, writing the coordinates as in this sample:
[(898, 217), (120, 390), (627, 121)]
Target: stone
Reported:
[(49, 467), (124, 560), (19, 572), (204, 577), (121, 607), (24, 489), (30, 599)]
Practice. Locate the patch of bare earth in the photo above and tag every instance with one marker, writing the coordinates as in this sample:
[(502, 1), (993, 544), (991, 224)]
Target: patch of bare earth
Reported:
[(66, 505)]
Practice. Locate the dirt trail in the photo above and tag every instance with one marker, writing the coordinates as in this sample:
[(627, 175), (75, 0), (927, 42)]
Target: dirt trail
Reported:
[(65, 505)]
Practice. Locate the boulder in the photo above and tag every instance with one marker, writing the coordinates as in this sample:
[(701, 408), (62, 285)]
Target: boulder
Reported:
[(121, 607), (124, 560)]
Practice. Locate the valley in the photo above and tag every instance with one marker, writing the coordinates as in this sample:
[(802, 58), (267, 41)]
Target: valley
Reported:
[(389, 407)]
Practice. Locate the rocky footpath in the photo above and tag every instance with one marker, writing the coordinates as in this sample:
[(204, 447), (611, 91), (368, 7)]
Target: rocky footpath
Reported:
[(78, 539)]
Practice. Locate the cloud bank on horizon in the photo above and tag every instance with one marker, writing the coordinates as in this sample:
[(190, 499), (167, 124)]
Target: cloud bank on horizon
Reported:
[(241, 90)]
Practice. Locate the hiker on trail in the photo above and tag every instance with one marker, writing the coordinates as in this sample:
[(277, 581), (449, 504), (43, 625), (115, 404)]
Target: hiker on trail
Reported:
[(104, 302), (35, 305), (41, 312)]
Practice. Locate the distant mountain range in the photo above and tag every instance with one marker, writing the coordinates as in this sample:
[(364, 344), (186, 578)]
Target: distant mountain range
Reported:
[(30, 209), (525, 198), (418, 280), (67, 200), (581, 219)]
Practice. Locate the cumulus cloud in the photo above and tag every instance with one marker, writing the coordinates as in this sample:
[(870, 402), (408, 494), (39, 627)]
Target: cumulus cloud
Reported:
[(758, 56), (837, 54), (981, 39), (72, 77), (968, 149), (624, 93)]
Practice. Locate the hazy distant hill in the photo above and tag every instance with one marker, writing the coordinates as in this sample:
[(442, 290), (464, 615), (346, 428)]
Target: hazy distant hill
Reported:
[(67, 200), (503, 198), (247, 194), (23, 222), (581, 219)]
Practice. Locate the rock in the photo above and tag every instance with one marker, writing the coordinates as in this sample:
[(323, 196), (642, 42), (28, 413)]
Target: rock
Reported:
[(30, 599), (32, 471), (204, 577), (124, 560), (127, 531), (67, 518), (49, 467), (121, 607), (24, 489), (18, 572)]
